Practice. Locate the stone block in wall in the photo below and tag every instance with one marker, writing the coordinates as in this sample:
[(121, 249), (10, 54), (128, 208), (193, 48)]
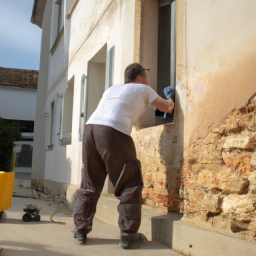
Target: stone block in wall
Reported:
[(241, 209), (253, 160), (238, 204), (207, 151), (221, 221), (232, 158), (244, 140), (252, 185), (200, 199), (239, 159), (215, 176), (247, 121), (230, 124), (239, 120)]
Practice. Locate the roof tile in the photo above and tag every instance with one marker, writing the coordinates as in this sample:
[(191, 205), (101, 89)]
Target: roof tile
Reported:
[(22, 78)]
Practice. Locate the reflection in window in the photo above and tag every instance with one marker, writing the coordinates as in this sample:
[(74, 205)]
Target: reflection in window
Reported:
[(24, 157)]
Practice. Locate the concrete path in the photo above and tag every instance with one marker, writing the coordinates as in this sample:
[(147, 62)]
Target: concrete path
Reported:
[(42, 238)]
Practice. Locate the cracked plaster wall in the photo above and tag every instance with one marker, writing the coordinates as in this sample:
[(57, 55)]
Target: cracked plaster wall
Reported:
[(190, 167)]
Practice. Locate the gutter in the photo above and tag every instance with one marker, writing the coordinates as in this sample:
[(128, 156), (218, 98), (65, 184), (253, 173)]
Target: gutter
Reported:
[(32, 20), (38, 12)]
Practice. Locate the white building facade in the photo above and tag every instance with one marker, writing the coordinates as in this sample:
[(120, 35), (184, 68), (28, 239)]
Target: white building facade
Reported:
[(18, 96), (80, 58), (205, 49)]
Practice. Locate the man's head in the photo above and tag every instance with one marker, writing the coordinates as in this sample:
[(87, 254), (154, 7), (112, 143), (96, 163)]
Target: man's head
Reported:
[(135, 73)]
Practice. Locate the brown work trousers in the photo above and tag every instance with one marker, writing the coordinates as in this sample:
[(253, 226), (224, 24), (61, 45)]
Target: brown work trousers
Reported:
[(108, 151)]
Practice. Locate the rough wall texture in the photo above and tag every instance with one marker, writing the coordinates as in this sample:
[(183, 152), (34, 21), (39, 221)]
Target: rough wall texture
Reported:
[(155, 147), (219, 176)]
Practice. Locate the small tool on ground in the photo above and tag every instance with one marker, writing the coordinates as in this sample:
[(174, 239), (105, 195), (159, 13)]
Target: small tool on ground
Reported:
[(31, 213)]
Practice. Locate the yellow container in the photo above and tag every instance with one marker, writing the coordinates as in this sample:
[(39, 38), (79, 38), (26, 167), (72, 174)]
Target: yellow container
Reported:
[(6, 188)]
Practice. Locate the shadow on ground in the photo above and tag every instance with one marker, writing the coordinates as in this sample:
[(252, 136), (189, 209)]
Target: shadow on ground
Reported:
[(20, 222), (28, 249)]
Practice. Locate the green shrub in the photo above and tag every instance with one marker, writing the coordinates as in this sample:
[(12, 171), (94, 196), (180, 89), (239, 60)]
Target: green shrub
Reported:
[(8, 134)]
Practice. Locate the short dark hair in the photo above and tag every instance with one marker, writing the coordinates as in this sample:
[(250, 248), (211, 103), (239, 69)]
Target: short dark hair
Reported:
[(132, 71)]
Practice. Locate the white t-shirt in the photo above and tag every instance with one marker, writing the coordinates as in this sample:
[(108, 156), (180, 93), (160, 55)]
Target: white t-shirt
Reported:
[(121, 105)]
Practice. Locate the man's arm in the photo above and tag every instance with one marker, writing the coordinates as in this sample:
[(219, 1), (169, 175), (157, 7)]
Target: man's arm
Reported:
[(163, 105)]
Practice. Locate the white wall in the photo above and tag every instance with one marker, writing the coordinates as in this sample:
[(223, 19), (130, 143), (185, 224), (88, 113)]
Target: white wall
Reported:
[(38, 164), (17, 103), (104, 22), (93, 24)]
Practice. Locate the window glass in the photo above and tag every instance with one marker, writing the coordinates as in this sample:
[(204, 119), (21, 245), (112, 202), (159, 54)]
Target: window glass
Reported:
[(24, 157)]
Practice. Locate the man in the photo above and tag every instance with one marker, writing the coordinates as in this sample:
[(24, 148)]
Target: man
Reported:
[(109, 149)]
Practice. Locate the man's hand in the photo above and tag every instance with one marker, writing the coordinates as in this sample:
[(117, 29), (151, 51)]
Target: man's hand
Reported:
[(171, 106), (163, 105)]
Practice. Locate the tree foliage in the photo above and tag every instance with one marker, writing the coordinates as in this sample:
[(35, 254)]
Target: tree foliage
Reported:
[(8, 134)]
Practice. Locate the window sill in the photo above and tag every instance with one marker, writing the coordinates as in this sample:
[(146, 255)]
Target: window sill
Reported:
[(56, 43)]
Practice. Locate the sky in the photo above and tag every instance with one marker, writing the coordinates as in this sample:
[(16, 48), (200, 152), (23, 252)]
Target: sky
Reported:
[(20, 40)]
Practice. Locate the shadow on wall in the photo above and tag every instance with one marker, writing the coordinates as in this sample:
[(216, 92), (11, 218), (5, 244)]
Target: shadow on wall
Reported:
[(168, 179), (160, 151), (171, 146)]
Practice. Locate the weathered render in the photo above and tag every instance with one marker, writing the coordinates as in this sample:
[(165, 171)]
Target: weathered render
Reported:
[(219, 176), (187, 167)]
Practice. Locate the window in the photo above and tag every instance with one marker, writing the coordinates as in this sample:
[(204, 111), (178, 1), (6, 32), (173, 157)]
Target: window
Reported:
[(60, 15), (110, 67), (57, 20), (166, 70), (67, 114), (100, 76), (52, 123), (96, 80), (24, 156)]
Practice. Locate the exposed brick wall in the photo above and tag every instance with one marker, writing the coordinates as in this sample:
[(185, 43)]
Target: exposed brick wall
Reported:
[(19, 78), (155, 149), (219, 176)]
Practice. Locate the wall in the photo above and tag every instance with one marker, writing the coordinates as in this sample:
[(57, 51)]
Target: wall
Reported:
[(148, 53), (38, 164), (17, 103), (220, 55), (160, 148), (215, 74), (216, 60), (107, 23), (219, 176)]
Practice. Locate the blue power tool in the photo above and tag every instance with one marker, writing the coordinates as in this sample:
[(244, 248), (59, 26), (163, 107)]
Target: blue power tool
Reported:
[(169, 93)]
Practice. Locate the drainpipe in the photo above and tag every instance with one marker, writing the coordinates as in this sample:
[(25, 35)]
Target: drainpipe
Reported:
[(82, 109)]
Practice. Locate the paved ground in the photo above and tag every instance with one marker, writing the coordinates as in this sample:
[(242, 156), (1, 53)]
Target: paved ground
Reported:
[(47, 238)]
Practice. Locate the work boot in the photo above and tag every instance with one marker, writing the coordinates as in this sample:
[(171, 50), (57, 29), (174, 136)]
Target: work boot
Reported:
[(136, 242), (79, 239)]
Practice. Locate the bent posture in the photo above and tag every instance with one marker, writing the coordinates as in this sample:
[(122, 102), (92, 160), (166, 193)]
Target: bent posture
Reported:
[(109, 149)]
